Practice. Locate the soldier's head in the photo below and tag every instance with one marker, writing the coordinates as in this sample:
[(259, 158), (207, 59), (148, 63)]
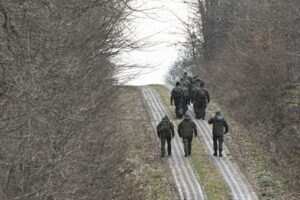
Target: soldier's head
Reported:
[(165, 118), (177, 83), (219, 116), (186, 116), (184, 83)]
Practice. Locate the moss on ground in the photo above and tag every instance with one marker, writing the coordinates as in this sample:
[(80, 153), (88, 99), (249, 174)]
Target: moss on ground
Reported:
[(214, 186)]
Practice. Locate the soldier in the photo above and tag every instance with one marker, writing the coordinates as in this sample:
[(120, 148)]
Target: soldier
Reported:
[(178, 97), (189, 80), (196, 82), (186, 129), (165, 131), (200, 99), (219, 124), (186, 96), (187, 77)]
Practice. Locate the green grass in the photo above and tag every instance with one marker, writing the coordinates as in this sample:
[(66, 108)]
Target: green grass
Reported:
[(214, 186)]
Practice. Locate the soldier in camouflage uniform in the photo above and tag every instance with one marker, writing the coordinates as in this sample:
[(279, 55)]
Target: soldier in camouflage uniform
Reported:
[(200, 100), (186, 129), (187, 77), (196, 82), (165, 131), (219, 123), (189, 80), (178, 97)]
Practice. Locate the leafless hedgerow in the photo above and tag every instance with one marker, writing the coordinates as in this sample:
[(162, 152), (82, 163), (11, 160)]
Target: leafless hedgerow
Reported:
[(56, 88), (249, 58)]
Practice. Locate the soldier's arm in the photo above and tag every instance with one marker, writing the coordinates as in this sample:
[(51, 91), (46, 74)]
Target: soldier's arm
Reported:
[(195, 129), (211, 121), (207, 95), (172, 98), (226, 126), (157, 130), (179, 128), (172, 129), (193, 95)]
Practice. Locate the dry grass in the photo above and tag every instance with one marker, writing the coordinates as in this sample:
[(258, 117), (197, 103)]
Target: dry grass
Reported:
[(256, 161), (145, 174)]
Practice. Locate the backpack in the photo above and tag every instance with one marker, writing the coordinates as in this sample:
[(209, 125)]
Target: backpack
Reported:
[(177, 93), (185, 92), (164, 127), (200, 94)]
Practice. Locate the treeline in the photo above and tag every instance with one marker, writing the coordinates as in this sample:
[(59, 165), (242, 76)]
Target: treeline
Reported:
[(247, 52), (56, 88)]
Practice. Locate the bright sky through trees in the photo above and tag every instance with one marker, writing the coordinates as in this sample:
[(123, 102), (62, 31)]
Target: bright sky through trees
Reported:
[(163, 32)]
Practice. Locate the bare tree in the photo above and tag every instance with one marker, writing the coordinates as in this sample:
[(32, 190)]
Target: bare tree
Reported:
[(57, 87), (250, 56)]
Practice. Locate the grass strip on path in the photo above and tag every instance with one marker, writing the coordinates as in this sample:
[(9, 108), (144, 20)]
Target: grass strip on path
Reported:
[(210, 179)]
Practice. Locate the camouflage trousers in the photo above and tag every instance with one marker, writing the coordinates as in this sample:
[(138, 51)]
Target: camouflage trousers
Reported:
[(163, 141), (187, 145), (179, 109), (199, 110), (218, 142)]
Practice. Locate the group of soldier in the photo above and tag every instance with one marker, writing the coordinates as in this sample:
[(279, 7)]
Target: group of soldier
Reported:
[(191, 90)]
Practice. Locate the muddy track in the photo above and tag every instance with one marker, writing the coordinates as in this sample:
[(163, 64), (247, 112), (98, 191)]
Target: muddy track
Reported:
[(238, 185), (187, 184)]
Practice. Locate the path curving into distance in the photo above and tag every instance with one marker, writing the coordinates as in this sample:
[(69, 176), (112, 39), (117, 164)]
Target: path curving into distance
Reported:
[(187, 184)]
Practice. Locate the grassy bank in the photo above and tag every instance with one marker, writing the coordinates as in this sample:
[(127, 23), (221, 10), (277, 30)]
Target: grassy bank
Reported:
[(145, 175), (256, 162)]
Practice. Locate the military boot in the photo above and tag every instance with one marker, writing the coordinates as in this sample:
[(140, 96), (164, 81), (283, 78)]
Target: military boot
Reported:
[(215, 154), (220, 154)]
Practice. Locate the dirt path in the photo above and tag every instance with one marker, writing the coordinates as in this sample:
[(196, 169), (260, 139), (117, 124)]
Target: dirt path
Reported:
[(186, 181), (239, 187)]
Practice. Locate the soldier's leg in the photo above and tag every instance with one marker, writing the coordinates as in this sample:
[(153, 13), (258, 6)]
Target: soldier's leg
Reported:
[(215, 139), (194, 107), (185, 106), (190, 145), (220, 140), (198, 110), (176, 111), (180, 112), (169, 146), (185, 144), (204, 112), (163, 142), (184, 109)]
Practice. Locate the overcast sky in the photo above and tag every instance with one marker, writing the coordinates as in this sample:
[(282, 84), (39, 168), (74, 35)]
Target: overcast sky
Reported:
[(163, 30)]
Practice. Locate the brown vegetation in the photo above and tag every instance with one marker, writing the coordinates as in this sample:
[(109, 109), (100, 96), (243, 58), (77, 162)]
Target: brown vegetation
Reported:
[(247, 52), (57, 83)]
